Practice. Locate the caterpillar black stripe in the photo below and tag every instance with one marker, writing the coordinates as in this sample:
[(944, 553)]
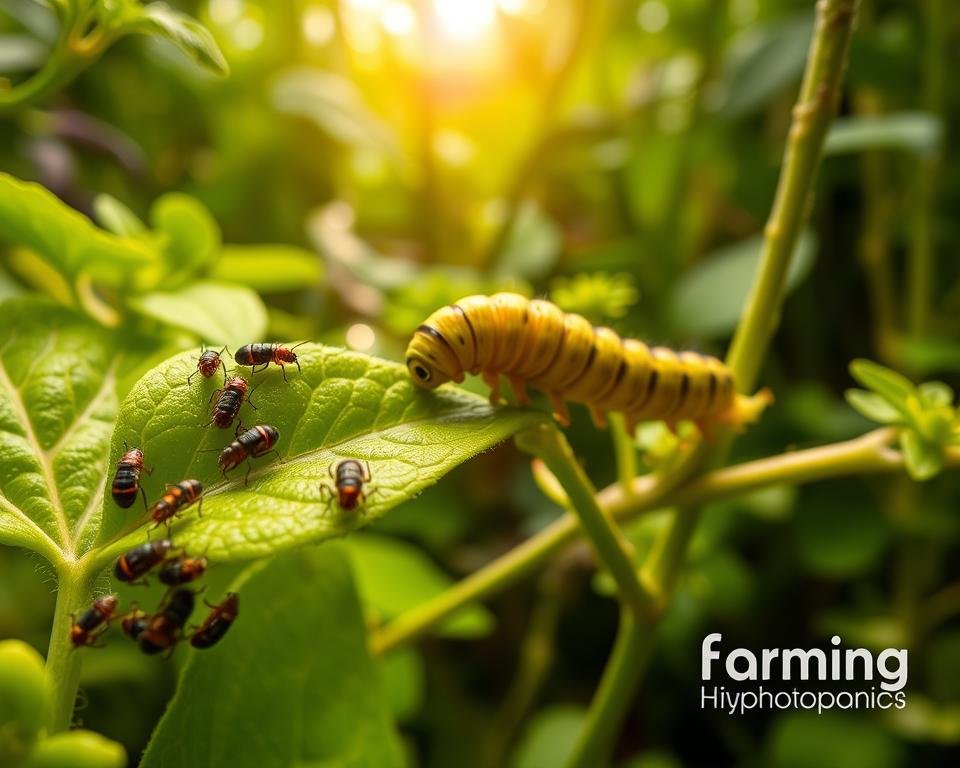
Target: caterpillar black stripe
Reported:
[(535, 343)]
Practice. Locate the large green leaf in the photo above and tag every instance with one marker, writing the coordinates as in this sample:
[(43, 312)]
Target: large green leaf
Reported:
[(707, 299), (394, 577), (32, 217), (219, 313), (762, 61), (186, 33), (269, 268), (58, 400), (342, 405), (292, 684), (917, 132)]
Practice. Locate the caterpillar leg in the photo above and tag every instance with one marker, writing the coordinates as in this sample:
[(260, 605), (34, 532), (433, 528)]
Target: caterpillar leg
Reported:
[(492, 380), (560, 412), (598, 416), (519, 387)]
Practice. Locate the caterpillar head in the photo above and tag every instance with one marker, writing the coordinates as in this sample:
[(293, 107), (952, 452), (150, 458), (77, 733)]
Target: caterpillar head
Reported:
[(430, 362), (426, 374)]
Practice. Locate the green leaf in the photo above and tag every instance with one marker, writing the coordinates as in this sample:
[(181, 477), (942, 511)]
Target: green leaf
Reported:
[(890, 385), (917, 132), (935, 394), (192, 237), (269, 268), (533, 246), (873, 407), (393, 577), (403, 680), (838, 530), (35, 218), (218, 313), (58, 400), (811, 740), (708, 299), (333, 103), (550, 738), (21, 53), (342, 405), (923, 459), (762, 61), (188, 34), (115, 217), (291, 684)]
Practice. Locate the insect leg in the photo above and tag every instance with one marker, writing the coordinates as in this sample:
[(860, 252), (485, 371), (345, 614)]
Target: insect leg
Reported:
[(492, 380), (367, 476), (283, 370), (560, 412), (598, 416), (519, 387), (192, 375), (144, 494)]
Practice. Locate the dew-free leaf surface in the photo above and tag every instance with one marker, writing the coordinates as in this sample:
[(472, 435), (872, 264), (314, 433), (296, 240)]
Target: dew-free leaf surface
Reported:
[(342, 405), (58, 402), (291, 684)]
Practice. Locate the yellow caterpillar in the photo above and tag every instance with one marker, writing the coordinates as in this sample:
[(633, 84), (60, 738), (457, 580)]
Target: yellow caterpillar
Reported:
[(534, 342)]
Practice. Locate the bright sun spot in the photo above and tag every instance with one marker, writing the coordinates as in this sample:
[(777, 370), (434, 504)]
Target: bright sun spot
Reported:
[(465, 19), (398, 18)]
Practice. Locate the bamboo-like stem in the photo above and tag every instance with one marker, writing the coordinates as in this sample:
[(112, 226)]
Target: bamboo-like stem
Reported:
[(812, 116), (868, 454), (63, 660)]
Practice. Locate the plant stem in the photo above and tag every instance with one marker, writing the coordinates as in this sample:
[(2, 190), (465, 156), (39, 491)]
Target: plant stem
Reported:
[(624, 449), (74, 588), (868, 454), (920, 265), (536, 657), (614, 551), (812, 115), (621, 677)]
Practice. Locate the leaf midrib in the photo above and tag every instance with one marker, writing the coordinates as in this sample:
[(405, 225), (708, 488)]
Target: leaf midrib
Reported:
[(46, 466), (67, 546)]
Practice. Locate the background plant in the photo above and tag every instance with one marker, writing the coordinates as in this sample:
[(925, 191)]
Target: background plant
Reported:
[(622, 156)]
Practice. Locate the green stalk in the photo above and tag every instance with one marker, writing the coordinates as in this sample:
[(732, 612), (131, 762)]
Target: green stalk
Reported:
[(812, 116), (868, 454), (613, 550), (74, 589), (536, 657), (921, 264), (621, 677), (624, 450)]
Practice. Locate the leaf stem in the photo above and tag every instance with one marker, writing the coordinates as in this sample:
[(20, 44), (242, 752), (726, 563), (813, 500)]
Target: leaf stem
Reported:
[(622, 675), (870, 453), (74, 588), (549, 444)]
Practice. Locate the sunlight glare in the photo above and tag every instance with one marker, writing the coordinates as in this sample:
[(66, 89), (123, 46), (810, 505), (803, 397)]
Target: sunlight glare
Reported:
[(465, 19), (398, 18)]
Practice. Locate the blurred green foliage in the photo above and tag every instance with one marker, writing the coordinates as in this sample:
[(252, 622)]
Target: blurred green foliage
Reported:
[(351, 176)]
